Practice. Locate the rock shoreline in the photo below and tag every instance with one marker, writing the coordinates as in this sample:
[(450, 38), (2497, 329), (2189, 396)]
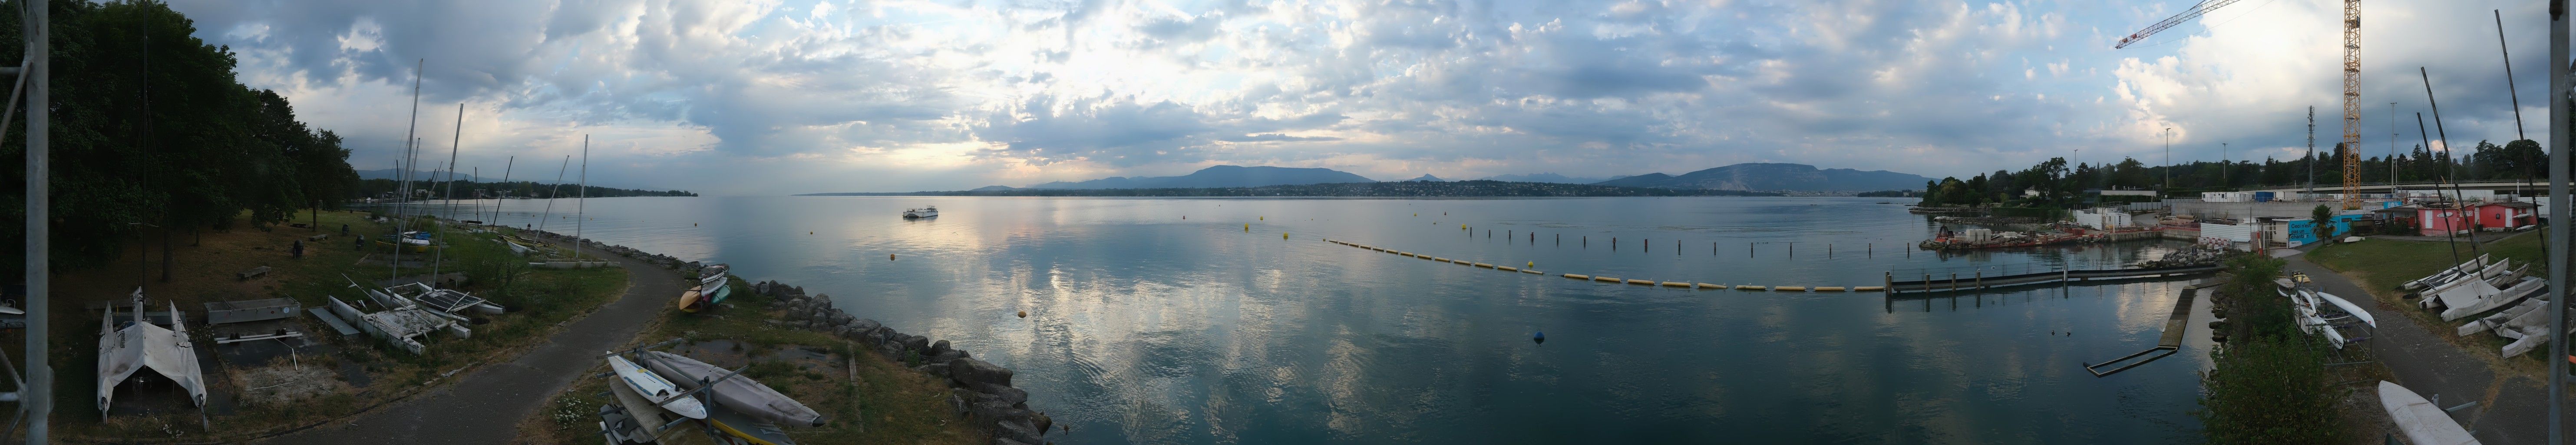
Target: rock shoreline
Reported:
[(977, 389)]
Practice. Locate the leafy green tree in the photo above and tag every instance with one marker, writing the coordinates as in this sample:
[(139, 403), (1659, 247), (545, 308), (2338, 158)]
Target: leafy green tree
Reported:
[(2324, 222)]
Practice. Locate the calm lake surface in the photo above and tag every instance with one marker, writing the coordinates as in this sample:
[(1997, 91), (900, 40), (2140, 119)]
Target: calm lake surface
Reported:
[(1145, 327)]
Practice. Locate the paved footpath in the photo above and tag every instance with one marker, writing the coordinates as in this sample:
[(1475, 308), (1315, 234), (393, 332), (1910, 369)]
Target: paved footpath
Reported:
[(487, 405), (2511, 411)]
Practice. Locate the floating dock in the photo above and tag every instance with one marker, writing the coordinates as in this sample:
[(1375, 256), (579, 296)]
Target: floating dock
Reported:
[(2175, 326)]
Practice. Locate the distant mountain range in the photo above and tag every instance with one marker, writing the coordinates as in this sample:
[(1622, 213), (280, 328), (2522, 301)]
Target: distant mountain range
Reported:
[(1776, 177), (416, 175), (1218, 176), (1773, 177), (1549, 177)]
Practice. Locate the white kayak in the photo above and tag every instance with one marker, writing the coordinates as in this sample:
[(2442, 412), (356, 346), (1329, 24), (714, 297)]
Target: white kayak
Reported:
[(2423, 423), (654, 387)]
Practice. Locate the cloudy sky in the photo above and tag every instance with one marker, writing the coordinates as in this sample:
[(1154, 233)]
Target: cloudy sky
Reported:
[(741, 97)]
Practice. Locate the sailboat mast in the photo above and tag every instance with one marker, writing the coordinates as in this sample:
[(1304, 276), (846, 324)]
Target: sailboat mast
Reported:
[(580, 197), (452, 148), (499, 197)]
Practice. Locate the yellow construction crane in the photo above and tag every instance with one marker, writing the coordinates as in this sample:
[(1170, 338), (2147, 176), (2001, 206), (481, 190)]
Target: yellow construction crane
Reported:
[(2351, 83)]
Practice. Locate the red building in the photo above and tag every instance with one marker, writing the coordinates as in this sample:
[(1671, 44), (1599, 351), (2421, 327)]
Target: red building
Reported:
[(2507, 215), (2441, 218)]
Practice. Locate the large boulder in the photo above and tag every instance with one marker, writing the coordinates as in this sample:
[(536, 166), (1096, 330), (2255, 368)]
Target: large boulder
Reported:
[(915, 342), (1021, 431), (936, 348), (950, 356), (1013, 396), (969, 372), (958, 399), (866, 326)]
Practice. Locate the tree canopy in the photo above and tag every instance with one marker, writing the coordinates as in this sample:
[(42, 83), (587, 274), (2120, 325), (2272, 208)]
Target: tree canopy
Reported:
[(149, 125)]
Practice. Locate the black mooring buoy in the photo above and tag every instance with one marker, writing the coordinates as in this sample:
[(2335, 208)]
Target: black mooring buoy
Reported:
[(1538, 337)]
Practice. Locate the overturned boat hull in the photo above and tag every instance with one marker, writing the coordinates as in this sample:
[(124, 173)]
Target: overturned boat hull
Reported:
[(739, 393)]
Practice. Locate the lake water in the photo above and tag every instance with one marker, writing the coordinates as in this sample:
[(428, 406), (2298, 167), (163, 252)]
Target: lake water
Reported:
[(1145, 327)]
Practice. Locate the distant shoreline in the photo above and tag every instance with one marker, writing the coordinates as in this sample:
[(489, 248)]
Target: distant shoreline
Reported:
[(1458, 189)]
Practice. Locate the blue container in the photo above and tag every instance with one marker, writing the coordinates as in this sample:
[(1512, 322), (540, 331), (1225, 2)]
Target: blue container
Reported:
[(2262, 196)]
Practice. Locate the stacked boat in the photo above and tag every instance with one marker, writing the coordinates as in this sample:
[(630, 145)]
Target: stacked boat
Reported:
[(710, 291), (2323, 314), (2480, 286), (659, 390), (406, 312), (2475, 287)]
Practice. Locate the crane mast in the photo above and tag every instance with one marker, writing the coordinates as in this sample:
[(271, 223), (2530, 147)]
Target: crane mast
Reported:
[(2351, 84), (2352, 106)]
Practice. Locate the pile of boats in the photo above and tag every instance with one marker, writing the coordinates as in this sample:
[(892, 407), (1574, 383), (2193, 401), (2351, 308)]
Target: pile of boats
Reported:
[(710, 290), (658, 391), (2323, 314), (2478, 286), (403, 313)]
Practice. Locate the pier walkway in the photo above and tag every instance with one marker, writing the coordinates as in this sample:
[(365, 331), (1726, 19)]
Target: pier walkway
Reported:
[(1927, 282)]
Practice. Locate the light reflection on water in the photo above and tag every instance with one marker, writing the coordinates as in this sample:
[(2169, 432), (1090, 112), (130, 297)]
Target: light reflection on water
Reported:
[(1148, 328)]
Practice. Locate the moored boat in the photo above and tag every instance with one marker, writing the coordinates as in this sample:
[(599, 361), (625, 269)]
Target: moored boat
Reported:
[(924, 212)]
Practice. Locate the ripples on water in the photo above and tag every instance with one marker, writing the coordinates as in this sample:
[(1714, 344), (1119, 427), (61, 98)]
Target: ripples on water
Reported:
[(1147, 328)]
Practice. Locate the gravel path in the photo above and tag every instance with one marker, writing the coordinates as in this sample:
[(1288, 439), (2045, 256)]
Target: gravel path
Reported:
[(487, 405), (2513, 410)]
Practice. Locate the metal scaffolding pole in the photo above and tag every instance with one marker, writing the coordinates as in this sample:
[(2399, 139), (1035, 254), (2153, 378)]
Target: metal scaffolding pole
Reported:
[(38, 399), (2558, 202)]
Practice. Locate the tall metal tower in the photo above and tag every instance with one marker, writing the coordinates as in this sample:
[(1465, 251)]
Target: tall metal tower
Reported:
[(2351, 104)]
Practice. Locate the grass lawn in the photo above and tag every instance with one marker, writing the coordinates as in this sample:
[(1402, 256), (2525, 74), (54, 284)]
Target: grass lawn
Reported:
[(2382, 265), (866, 398), (203, 271)]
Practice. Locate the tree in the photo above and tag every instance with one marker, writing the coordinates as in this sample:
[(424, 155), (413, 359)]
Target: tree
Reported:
[(2324, 222), (149, 125)]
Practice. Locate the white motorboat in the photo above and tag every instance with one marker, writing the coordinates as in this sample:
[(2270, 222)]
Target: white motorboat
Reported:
[(2419, 420), (924, 212)]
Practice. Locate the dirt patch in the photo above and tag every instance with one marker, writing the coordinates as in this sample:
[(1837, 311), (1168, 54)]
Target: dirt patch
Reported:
[(284, 382)]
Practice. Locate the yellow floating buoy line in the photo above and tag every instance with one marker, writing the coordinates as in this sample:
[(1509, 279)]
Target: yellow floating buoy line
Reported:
[(1530, 268)]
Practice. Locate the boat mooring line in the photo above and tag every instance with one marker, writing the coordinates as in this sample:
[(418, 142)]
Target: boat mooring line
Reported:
[(1614, 280)]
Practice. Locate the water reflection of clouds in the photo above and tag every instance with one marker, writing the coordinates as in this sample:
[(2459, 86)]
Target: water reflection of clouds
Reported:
[(1147, 328)]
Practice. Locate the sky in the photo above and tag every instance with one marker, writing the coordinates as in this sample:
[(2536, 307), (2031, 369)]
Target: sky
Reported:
[(751, 97)]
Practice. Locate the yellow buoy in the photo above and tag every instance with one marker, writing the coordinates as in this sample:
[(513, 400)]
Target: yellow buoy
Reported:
[(1247, 227), (889, 257), (1532, 264), (1265, 218), (1283, 235)]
